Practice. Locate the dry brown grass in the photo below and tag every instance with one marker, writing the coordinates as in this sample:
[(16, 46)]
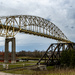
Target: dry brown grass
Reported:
[(66, 71)]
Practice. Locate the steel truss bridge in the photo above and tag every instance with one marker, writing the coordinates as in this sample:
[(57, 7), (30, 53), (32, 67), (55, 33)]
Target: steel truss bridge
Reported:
[(53, 53), (11, 25)]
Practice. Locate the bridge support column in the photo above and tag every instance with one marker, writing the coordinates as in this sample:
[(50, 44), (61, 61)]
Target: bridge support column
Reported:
[(6, 51), (13, 53)]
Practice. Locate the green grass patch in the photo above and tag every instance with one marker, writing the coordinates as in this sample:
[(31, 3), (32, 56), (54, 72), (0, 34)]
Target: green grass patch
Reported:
[(1, 67), (20, 71), (50, 67), (26, 62), (27, 57), (18, 64)]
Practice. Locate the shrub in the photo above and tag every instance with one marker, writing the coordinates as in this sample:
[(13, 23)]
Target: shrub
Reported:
[(68, 57)]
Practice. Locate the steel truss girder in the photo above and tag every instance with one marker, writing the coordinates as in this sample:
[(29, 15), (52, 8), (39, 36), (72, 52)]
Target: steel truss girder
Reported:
[(11, 25), (53, 53)]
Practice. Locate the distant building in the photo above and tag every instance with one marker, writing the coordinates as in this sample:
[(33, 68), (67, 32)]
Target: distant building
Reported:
[(2, 57)]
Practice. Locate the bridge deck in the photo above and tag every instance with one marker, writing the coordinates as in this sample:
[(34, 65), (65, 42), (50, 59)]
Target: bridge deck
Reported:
[(35, 33)]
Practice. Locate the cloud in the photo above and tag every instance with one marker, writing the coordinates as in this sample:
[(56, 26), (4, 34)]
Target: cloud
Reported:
[(60, 12), (2, 41), (26, 39)]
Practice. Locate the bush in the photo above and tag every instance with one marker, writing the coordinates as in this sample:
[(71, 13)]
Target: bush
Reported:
[(68, 58)]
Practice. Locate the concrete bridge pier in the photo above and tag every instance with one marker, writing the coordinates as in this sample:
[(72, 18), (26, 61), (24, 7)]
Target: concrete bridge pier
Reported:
[(6, 51), (13, 53)]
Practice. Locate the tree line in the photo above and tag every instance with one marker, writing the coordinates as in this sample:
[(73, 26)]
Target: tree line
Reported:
[(67, 56), (35, 53)]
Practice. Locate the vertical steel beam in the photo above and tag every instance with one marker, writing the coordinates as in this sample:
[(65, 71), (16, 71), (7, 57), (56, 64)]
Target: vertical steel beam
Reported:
[(45, 58), (63, 47), (59, 51)]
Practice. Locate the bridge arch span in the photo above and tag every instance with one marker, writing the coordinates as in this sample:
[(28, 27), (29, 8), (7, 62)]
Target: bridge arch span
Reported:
[(11, 25)]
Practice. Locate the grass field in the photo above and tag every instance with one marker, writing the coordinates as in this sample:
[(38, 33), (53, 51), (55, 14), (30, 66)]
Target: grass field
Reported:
[(48, 72), (51, 70), (18, 64)]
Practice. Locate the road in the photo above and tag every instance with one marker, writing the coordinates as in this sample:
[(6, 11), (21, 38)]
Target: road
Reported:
[(2, 73)]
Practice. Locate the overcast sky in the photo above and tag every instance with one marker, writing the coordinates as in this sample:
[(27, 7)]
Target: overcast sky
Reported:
[(60, 12)]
